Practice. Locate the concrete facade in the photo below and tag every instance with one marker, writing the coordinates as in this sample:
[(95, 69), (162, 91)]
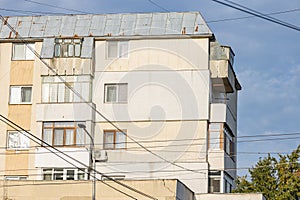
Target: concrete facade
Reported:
[(159, 103)]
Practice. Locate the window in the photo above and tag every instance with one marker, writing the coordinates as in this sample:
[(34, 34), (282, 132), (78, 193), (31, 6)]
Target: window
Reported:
[(17, 140), (20, 94), (15, 178), (22, 51), (55, 91), (114, 139), (67, 48), (116, 92), (229, 144), (64, 174), (214, 181), (63, 133), (117, 49), (214, 136)]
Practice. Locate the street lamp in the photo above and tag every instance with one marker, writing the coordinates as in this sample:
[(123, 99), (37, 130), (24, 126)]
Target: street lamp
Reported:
[(93, 163)]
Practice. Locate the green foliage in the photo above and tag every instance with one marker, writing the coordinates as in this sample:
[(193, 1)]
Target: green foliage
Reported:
[(277, 179)]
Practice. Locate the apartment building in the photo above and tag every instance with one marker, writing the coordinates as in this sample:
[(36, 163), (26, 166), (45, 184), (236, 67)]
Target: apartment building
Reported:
[(145, 96)]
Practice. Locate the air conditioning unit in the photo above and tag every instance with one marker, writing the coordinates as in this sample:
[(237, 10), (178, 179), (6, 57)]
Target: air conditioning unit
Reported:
[(100, 155)]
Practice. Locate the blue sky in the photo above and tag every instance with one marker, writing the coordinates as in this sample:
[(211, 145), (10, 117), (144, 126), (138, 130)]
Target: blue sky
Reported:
[(267, 60)]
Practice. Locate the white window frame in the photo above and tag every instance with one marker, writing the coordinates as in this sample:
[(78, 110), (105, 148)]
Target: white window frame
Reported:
[(23, 142), (118, 87), (215, 175), (120, 52), (16, 95), (27, 54), (67, 47), (63, 171), (55, 91), (15, 178)]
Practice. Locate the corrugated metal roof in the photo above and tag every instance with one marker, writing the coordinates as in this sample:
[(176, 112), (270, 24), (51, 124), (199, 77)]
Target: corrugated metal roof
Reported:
[(143, 24)]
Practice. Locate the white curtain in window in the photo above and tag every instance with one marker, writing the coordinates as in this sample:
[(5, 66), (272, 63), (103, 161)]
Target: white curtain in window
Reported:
[(45, 92), (53, 92), (69, 137), (58, 137), (61, 92), (24, 140), (47, 136), (15, 94), (80, 136), (123, 49), (112, 49), (120, 140), (109, 140), (13, 140), (29, 55), (19, 52)]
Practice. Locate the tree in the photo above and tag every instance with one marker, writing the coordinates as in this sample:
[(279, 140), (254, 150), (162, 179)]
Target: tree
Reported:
[(276, 179)]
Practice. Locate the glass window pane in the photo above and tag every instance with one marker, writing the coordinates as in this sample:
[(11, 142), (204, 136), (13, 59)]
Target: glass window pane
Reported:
[(45, 92), (111, 93), (123, 49), (29, 54), (109, 140), (112, 49), (80, 137), (120, 140), (70, 174), (19, 52), (68, 94), (58, 174), (77, 87), (15, 95), (13, 140), (26, 94), (122, 96), (69, 137), (53, 92), (214, 138), (24, 140), (64, 49), (57, 50), (61, 92), (47, 136), (58, 137), (77, 50), (70, 50), (85, 92), (81, 174)]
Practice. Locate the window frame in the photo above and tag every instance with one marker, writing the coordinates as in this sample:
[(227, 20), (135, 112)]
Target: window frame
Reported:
[(19, 97), (77, 82), (28, 54), (21, 135), (65, 127), (63, 45), (117, 85), (214, 176), (119, 44), (229, 139), (115, 137), (54, 172)]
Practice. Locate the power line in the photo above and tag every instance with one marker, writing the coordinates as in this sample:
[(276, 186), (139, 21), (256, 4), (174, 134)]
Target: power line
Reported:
[(49, 147), (159, 6), (80, 96), (258, 14), (247, 17), (29, 12), (53, 6)]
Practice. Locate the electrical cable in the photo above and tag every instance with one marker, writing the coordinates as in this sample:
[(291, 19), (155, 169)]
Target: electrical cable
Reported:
[(49, 147), (80, 96), (247, 17), (257, 14), (53, 6), (159, 6)]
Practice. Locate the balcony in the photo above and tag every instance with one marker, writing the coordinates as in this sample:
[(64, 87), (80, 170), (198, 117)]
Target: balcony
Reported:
[(222, 74)]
